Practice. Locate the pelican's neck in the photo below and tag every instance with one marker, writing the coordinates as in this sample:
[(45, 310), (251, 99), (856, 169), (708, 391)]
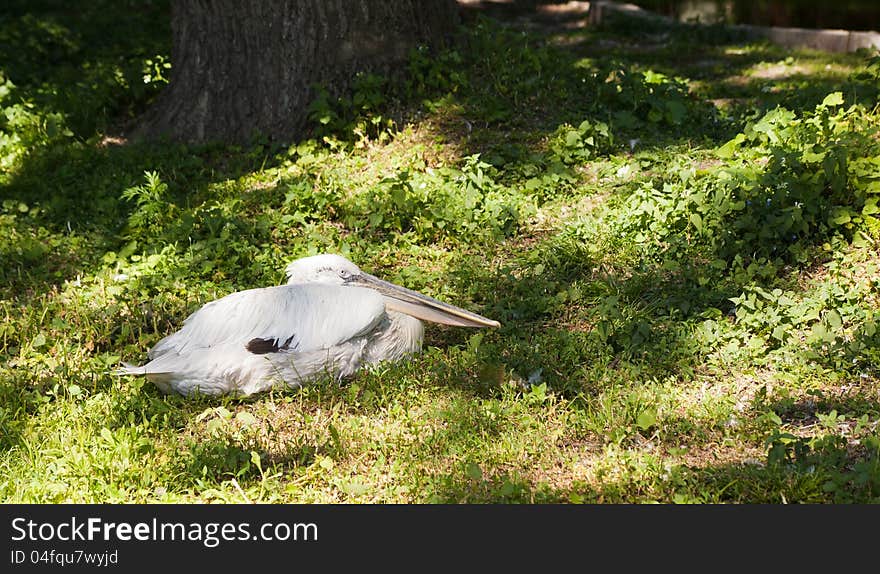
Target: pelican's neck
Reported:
[(411, 331), (398, 336)]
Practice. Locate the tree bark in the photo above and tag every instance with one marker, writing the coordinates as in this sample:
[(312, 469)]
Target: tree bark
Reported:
[(243, 68)]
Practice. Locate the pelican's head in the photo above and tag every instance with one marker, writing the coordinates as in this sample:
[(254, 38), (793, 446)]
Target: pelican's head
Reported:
[(337, 270), (327, 268)]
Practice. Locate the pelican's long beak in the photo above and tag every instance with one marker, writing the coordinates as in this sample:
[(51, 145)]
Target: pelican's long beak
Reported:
[(421, 306)]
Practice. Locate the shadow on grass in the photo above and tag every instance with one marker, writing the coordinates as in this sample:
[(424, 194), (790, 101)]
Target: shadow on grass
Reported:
[(79, 214), (80, 71), (95, 63)]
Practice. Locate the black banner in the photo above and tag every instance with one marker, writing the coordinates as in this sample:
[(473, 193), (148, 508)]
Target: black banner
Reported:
[(238, 538)]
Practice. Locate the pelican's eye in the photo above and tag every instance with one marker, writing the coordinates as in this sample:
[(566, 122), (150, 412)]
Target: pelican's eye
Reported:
[(344, 273)]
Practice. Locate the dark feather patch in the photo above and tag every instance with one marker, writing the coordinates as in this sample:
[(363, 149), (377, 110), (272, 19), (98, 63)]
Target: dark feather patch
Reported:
[(259, 346), (262, 346)]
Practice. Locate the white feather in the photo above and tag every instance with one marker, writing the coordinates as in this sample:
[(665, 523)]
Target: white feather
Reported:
[(317, 316)]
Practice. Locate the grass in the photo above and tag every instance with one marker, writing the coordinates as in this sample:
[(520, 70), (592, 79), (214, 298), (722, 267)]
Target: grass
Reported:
[(676, 228)]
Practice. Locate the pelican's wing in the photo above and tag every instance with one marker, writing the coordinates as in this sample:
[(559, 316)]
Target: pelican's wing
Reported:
[(290, 317)]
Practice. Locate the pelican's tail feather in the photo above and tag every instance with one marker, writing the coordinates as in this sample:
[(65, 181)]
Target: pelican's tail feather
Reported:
[(137, 370), (129, 369), (160, 377)]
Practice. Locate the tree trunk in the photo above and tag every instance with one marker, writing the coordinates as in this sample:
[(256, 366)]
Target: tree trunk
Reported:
[(247, 68)]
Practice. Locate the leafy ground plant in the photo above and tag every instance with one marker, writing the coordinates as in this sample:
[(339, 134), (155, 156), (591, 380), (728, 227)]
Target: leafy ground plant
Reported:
[(677, 228)]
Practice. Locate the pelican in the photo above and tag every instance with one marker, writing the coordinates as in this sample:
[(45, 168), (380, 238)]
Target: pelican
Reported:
[(330, 318)]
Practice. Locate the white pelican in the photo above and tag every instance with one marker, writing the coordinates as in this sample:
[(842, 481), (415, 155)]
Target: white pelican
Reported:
[(330, 318)]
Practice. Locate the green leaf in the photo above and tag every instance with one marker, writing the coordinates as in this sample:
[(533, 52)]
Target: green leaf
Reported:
[(474, 471), (334, 435), (127, 250), (840, 215), (729, 149), (833, 99), (779, 332), (861, 240), (214, 426), (246, 418), (537, 394), (51, 127), (646, 419), (39, 341), (474, 341), (354, 487), (812, 156), (834, 320), (675, 112)]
